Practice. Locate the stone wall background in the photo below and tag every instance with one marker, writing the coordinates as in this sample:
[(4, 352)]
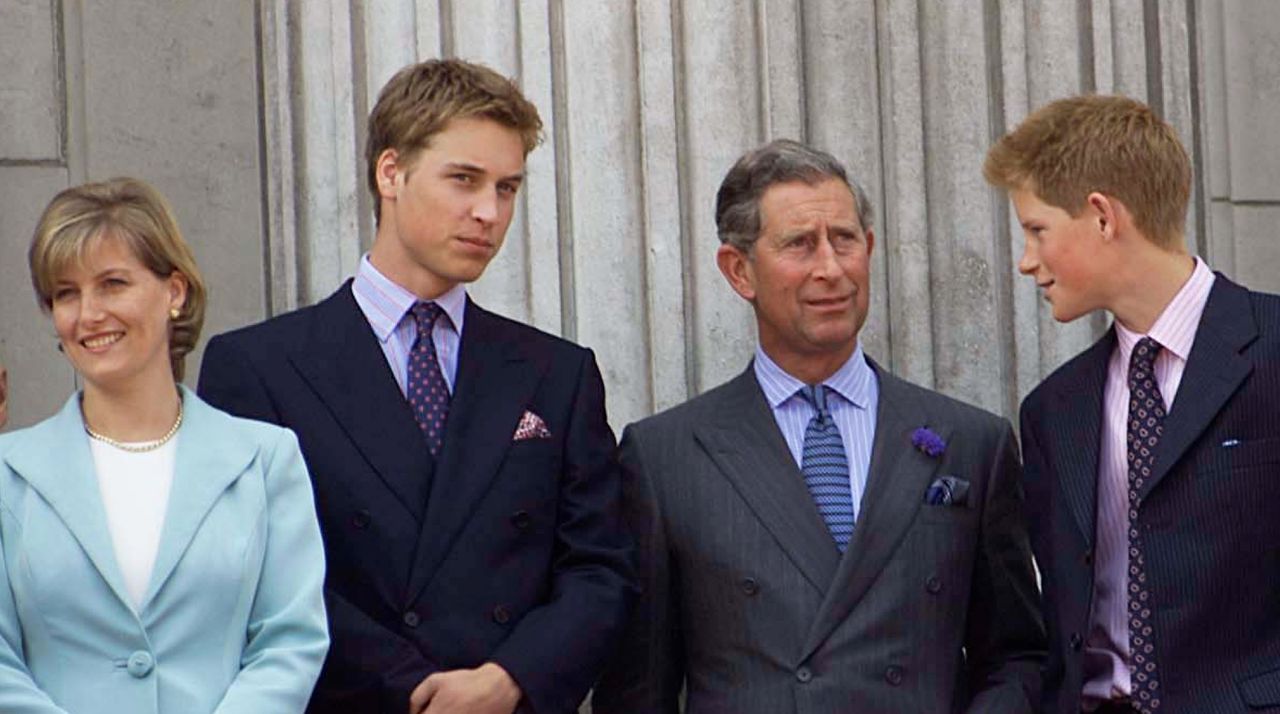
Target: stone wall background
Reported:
[(249, 116)]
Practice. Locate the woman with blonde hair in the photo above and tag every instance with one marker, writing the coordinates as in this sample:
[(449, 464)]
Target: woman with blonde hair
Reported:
[(156, 554)]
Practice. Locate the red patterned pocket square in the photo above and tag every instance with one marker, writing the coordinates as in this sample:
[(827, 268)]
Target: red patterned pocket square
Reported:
[(531, 426)]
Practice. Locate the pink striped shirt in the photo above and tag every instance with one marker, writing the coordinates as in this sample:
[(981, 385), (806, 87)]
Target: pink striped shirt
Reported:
[(1106, 651)]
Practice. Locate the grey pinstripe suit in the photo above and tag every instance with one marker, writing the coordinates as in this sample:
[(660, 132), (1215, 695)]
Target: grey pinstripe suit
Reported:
[(1207, 514), (749, 604)]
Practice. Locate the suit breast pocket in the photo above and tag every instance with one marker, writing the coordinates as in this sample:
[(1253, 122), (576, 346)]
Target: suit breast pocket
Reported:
[(533, 453), (1231, 454), (962, 516)]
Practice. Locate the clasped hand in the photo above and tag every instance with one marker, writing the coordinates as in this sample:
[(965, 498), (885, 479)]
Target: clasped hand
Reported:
[(487, 689)]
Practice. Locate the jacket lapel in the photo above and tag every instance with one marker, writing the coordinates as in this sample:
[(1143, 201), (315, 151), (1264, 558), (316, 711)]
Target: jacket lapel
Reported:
[(344, 364), (497, 378), (1215, 370), (897, 478), (208, 462), (745, 443), (55, 461), (1072, 427)]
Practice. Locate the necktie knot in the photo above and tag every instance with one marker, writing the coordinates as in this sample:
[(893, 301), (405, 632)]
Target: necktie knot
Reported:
[(816, 395), (424, 316), (1142, 361)]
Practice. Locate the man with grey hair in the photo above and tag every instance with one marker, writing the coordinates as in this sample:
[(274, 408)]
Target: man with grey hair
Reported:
[(818, 535)]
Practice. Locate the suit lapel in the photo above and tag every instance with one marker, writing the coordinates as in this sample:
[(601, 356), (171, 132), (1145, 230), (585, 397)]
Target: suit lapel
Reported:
[(745, 443), (1215, 370), (205, 466), (55, 461), (344, 364), (1073, 428), (897, 478), (496, 383)]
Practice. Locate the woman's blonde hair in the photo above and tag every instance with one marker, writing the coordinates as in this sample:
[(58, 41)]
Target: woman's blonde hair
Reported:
[(129, 210)]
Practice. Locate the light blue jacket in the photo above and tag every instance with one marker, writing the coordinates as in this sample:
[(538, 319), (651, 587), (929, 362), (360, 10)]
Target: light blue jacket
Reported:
[(233, 620)]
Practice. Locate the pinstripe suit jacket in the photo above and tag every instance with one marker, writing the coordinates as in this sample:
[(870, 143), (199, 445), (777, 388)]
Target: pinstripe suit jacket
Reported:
[(750, 606), (1207, 514)]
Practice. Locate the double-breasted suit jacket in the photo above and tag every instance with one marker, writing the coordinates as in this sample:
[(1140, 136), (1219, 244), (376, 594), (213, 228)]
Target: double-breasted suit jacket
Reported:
[(1207, 514), (503, 549), (233, 620), (749, 604)]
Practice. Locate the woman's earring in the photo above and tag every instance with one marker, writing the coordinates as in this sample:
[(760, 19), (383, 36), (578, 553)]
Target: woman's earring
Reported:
[(174, 313)]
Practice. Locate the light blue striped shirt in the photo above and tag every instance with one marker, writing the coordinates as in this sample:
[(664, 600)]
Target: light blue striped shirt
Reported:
[(856, 394), (386, 306)]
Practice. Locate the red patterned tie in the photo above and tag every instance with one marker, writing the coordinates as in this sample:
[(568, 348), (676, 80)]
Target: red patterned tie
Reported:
[(1146, 424), (427, 392)]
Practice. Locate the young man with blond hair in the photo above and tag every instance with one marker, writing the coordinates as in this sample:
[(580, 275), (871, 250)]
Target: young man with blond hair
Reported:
[(463, 469), (1150, 457)]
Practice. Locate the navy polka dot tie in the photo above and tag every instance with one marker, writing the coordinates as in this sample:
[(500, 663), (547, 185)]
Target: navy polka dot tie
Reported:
[(427, 392), (1146, 424), (826, 469)]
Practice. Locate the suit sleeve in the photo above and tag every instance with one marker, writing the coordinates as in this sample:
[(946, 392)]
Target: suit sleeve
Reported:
[(367, 661), (287, 638), (19, 694), (1004, 639), (647, 672), (558, 649), (1033, 476)]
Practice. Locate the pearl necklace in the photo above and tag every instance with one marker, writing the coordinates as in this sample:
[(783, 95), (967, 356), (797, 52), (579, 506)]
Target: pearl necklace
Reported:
[(143, 447)]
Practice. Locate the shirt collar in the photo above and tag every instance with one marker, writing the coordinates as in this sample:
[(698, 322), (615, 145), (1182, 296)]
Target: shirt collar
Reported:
[(852, 381), (386, 304), (1175, 328)]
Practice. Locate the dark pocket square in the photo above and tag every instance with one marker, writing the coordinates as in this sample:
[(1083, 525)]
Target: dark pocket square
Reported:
[(947, 491)]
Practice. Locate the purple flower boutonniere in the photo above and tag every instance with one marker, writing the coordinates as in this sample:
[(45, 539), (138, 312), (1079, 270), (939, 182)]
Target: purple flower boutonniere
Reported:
[(928, 442)]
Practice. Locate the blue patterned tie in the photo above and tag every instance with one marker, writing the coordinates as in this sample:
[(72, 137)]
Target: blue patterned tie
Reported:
[(1146, 424), (825, 468), (427, 392)]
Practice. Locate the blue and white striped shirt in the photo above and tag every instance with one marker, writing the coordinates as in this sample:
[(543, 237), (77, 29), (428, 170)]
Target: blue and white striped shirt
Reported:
[(853, 401), (386, 306)]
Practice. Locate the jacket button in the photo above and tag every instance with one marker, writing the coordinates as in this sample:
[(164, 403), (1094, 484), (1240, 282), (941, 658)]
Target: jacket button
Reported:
[(411, 619), (521, 519), (360, 519), (501, 615), (933, 584), (1087, 558), (803, 675), (750, 586), (140, 664), (1076, 641), (893, 675)]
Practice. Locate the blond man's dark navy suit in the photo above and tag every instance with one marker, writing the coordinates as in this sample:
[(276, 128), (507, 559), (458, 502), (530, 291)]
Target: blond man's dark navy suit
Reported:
[(502, 549), (1208, 513)]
